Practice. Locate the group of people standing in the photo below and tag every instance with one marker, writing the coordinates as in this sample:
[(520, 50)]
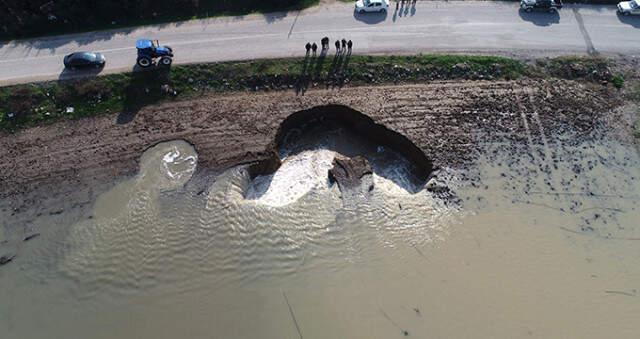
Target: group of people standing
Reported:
[(341, 46)]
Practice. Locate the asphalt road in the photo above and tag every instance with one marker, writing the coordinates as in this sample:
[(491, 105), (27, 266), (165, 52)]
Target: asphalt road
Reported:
[(430, 26)]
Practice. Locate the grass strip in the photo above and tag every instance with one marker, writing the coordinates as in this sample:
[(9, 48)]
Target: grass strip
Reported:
[(40, 103)]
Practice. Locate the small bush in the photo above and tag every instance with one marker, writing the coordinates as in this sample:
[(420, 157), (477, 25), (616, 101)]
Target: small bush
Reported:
[(618, 81)]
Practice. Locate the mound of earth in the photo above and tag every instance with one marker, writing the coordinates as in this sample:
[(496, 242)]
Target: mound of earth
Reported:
[(348, 172)]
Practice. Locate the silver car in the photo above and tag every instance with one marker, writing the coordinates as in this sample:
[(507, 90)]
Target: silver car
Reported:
[(629, 7), (375, 6)]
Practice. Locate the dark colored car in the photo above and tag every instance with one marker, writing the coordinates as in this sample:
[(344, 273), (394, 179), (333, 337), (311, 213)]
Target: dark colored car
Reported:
[(84, 59)]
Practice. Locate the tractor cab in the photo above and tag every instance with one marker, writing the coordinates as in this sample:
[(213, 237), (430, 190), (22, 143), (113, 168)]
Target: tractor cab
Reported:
[(150, 50)]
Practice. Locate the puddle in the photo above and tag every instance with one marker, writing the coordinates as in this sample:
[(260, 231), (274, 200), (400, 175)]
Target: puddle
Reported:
[(169, 164)]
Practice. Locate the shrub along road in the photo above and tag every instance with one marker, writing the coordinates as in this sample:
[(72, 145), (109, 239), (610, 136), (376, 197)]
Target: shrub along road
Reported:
[(488, 27)]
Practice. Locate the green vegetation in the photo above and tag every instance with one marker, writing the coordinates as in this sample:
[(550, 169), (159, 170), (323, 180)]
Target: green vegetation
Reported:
[(32, 104), (618, 80), (29, 18)]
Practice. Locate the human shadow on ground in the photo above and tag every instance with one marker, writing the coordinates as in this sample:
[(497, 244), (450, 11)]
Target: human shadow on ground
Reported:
[(314, 71), (403, 9), (304, 78), (320, 62), (540, 18)]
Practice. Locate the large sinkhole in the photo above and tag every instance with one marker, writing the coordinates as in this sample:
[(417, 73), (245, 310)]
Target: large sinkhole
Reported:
[(337, 144)]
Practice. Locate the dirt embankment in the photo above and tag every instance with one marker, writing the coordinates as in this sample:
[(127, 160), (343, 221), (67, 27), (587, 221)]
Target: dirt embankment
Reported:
[(446, 120)]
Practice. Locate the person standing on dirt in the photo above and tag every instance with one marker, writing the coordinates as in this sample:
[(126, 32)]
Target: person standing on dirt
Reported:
[(349, 46), (337, 46), (314, 48), (307, 47)]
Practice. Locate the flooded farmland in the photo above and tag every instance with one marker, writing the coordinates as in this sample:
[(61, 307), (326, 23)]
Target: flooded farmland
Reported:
[(539, 241), (442, 210)]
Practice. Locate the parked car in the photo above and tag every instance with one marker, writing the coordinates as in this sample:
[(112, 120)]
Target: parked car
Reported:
[(551, 6), (368, 6), (84, 60), (629, 7)]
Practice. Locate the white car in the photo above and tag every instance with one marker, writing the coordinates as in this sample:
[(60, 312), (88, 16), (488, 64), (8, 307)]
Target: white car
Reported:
[(629, 7), (376, 6)]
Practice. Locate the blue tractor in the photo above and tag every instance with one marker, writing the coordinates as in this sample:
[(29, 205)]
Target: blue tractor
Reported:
[(149, 51)]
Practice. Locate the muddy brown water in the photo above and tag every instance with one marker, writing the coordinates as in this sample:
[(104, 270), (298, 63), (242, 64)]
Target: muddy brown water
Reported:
[(543, 243)]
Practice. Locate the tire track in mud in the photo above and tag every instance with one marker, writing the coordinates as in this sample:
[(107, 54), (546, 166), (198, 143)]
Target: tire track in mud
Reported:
[(530, 141), (549, 167)]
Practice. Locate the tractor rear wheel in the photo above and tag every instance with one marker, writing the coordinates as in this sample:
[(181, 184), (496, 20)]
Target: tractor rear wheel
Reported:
[(166, 61), (144, 62)]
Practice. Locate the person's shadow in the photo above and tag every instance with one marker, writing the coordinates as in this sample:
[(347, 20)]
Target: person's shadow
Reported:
[(370, 18), (319, 64), (540, 18), (303, 79), (402, 8), (395, 12), (629, 20)]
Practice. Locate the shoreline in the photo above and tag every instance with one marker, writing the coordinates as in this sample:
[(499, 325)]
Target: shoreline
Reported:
[(444, 119)]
